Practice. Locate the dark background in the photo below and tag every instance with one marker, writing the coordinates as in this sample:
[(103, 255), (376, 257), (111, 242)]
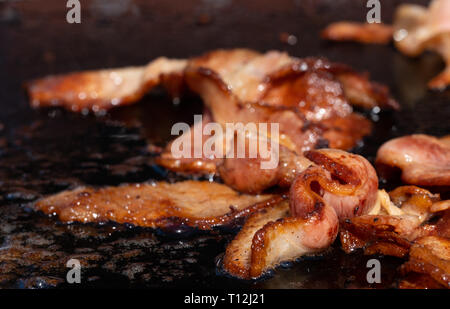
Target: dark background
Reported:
[(45, 151)]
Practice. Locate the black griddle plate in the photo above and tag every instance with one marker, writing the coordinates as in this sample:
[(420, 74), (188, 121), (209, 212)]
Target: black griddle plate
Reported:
[(46, 151)]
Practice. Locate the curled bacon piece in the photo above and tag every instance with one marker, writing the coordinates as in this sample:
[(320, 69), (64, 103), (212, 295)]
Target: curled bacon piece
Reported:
[(424, 160), (340, 185), (203, 205)]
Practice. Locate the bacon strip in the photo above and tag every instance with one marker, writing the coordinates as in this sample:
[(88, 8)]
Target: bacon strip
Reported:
[(402, 228), (104, 89), (424, 160), (366, 33), (203, 205)]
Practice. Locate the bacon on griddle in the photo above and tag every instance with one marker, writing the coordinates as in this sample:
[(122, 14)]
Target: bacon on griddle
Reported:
[(310, 98), (424, 160), (203, 205), (339, 185), (411, 222)]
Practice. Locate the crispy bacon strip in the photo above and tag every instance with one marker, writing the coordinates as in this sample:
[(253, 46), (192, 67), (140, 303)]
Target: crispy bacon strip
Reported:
[(424, 160), (203, 205), (339, 186), (359, 32)]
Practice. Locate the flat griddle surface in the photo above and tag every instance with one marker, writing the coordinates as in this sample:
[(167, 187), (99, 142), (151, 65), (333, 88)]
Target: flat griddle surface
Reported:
[(46, 151)]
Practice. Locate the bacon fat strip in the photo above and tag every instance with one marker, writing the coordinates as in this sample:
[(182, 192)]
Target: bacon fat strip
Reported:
[(339, 186), (424, 160), (203, 205)]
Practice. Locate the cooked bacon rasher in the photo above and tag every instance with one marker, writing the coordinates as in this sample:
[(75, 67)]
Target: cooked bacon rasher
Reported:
[(200, 204)]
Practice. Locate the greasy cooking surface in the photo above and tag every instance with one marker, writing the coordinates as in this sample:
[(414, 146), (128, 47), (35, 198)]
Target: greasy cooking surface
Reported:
[(46, 151)]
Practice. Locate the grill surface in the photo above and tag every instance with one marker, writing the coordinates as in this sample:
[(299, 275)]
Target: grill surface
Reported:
[(46, 151)]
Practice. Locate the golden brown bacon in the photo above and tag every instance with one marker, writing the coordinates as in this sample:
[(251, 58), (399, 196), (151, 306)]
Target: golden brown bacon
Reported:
[(203, 205), (424, 160), (416, 28), (339, 186)]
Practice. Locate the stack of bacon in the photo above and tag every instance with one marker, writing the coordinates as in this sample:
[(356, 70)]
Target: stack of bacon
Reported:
[(320, 190)]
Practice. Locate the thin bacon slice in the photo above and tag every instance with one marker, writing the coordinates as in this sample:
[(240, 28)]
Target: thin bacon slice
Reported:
[(338, 186), (375, 33), (424, 160), (203, 205)]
